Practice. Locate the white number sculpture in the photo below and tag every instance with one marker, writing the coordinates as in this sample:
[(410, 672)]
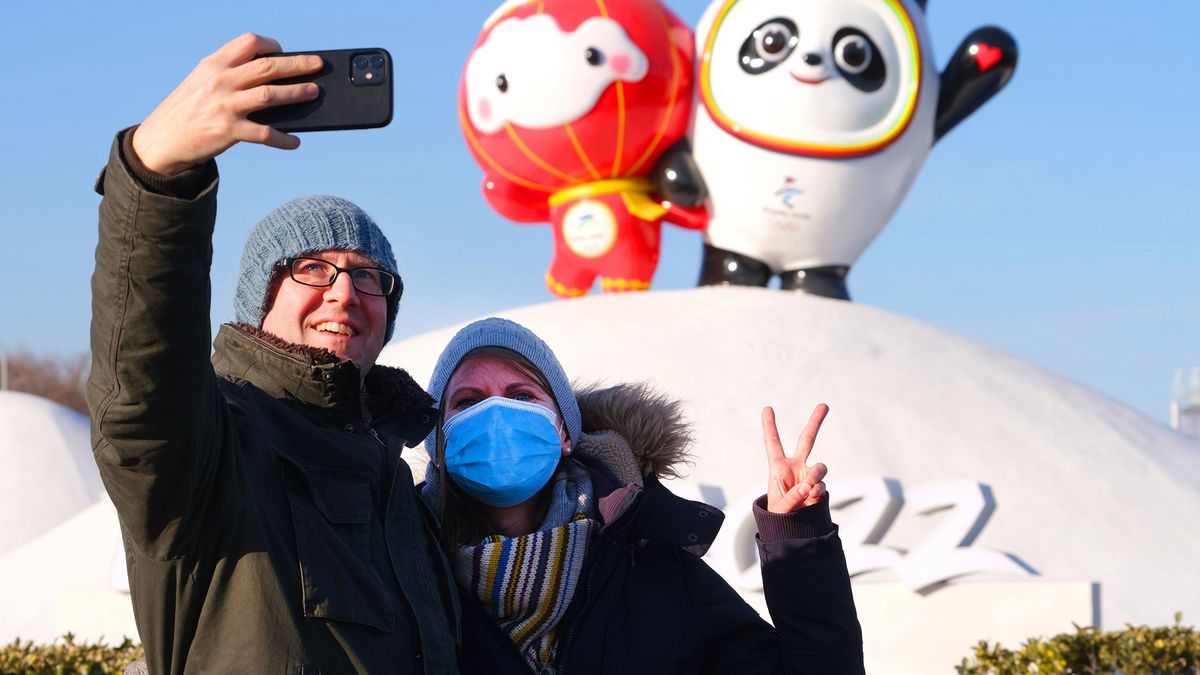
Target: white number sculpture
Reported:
[(947, 552), (871, 505)]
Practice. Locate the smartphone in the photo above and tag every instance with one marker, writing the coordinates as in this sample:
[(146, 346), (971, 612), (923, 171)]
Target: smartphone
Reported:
[(356, 93)]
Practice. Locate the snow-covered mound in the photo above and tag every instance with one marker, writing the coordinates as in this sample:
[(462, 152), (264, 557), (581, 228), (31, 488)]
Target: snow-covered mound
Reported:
[(929, 435), (69, 579), (49, 475), (1079, 488)]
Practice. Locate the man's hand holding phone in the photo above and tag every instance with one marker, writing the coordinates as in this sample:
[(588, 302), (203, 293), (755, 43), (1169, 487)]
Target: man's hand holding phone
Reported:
[(209, 111)]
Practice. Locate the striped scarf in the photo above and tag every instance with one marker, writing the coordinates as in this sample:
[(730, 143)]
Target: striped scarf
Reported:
[(526, 583)]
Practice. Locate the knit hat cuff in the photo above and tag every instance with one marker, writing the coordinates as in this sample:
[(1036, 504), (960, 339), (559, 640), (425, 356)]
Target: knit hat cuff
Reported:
[(497, 332)]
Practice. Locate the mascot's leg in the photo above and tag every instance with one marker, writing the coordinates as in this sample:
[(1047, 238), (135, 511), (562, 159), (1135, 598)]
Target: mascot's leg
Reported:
[(726, 268), (630, 265), (827, 282), (569, 277)]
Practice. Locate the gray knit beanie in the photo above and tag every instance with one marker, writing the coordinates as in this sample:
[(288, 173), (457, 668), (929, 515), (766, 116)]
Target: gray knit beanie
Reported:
[(302, 226), (497, 332)]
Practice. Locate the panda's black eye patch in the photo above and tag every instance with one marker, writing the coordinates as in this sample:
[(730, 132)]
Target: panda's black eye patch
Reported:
[(768, 45), (858, 59)]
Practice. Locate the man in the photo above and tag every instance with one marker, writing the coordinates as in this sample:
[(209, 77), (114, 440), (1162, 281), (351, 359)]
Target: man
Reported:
[(269, 523)]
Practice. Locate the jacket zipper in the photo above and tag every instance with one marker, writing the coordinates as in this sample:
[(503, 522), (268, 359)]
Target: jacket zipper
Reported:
[(375, 435), (619, 525), (565, 645)]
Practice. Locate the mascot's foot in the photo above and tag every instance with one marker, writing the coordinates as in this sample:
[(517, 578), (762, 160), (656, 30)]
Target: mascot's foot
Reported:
[(573, 288), (616, 285), (726, 268), (827, 282)]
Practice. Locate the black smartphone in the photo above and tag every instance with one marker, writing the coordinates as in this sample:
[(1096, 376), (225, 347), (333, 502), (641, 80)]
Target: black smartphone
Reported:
[(356, 93)]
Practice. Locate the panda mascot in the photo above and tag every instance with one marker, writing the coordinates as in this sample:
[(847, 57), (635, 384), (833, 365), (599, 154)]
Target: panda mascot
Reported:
[(812, 121)]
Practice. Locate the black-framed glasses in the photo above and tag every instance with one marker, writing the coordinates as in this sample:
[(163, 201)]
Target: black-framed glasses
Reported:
[(322, 273)]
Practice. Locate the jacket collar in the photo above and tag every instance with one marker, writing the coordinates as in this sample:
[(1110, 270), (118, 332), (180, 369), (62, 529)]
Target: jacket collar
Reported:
[(316, 377), (633, 436), (639, 508)]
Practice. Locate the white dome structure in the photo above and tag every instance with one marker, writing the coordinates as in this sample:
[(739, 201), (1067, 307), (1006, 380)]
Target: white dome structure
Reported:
[(69, 579), (980, 497), (49, 474), (61, 563)]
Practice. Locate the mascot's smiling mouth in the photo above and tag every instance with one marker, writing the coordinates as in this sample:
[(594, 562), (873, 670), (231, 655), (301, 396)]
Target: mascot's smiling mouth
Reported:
[(806, 80)]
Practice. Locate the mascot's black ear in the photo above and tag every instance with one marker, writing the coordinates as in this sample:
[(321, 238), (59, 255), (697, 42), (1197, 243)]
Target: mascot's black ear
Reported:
[(922, 3), (677, 178), (980, 67)]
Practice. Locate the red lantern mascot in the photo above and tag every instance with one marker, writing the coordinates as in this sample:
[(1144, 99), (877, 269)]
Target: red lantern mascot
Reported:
[(567, 105)]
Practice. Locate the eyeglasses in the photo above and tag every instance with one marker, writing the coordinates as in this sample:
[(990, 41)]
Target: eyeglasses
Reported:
[(322, 273)]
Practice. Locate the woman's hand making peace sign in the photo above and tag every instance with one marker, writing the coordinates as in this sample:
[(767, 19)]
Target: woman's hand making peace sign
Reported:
[(792, 484)]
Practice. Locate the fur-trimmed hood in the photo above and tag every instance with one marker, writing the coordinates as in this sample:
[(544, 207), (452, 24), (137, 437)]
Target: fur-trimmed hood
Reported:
[(318, 377), (651, 424)]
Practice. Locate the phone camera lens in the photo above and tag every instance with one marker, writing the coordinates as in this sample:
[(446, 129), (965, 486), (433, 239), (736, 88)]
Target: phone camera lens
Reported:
[(361, 62), (377, 61)]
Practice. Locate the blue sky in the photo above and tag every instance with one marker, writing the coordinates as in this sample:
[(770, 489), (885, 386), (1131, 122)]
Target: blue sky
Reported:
[(1059, 223)]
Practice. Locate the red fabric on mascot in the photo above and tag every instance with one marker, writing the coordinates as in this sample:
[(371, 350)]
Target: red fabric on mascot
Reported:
[(566, 105)]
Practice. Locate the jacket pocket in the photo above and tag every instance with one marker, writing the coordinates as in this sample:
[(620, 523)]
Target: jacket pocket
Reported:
[(332, 517)]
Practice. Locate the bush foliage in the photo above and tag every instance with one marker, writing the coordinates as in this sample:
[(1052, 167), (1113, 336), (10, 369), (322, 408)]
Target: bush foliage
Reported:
[(59, 379), (65, 657), (1137, 650)]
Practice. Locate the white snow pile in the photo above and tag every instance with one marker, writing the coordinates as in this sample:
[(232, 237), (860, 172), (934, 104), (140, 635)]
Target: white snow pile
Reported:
[(975, 492), (49, 474), (1079, 487), (61, 563)]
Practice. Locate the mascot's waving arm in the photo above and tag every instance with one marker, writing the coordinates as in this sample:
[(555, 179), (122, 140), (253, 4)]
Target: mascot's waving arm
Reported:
[(979, 69)]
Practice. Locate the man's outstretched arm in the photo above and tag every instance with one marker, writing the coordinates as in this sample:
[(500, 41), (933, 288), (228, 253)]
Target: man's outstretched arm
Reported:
[(157, 418)]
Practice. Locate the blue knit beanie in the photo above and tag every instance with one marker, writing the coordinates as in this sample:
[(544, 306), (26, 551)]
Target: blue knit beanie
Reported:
[(497, 332), (302, 226)]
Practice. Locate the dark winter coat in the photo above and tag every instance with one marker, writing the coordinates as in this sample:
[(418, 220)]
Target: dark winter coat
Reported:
[(647, 604), (269, 527)]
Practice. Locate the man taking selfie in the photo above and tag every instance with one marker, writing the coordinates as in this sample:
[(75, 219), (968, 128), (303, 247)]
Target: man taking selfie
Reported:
[(269, 523)]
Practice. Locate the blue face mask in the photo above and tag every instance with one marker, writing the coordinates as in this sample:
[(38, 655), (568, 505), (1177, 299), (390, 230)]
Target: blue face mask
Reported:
[(502, 451)]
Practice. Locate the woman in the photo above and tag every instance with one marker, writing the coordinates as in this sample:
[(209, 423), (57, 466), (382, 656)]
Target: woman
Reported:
[(572, 557)]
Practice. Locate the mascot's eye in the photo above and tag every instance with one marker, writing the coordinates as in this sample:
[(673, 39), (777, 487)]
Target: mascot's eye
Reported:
[(502, 83), (768, 45), (772, 40), (853, 53), (859, 60), (595, 56)]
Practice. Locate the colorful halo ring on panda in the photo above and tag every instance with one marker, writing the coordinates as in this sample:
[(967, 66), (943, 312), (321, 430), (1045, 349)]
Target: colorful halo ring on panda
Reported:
[(721, 96), (576, 130)]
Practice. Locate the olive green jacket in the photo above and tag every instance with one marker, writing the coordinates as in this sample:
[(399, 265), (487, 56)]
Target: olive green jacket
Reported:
[(269, 524)]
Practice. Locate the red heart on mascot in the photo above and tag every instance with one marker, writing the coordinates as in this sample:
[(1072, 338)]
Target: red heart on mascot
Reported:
[(987, 56)]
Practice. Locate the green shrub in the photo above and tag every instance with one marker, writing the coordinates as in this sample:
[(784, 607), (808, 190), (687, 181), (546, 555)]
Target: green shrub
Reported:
[(1137, 650), (65, 657)]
